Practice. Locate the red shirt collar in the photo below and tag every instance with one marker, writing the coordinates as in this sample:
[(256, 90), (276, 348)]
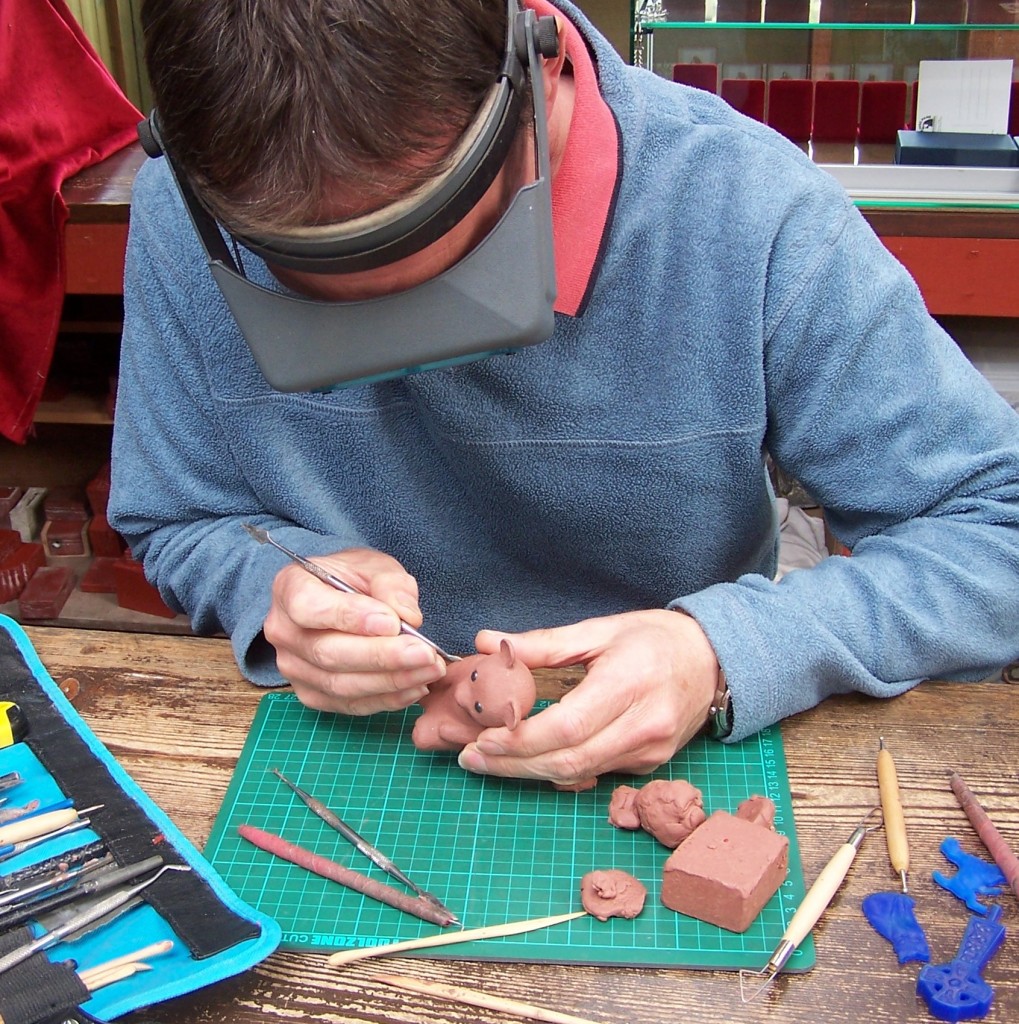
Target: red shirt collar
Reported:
[(584, 185)]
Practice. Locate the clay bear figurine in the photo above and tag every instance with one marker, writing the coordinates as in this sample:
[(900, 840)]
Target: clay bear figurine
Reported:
[(477, 692)]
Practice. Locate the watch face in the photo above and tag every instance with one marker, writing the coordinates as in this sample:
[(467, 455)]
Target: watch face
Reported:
[(719, 724)]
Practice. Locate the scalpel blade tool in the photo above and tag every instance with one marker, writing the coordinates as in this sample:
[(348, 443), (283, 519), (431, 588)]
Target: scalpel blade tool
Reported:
[(262, 536)]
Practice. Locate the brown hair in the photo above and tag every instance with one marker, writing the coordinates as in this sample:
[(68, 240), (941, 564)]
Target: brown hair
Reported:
[(269, 106)]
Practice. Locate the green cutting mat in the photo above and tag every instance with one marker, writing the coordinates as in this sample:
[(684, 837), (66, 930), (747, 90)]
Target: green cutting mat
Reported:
[(493, 850)]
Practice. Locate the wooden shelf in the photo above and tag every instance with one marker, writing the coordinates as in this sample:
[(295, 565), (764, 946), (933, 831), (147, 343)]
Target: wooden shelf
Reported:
[(101, 611), (76, 407)]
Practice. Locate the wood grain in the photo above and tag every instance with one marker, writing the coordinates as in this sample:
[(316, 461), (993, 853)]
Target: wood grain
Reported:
[(175, 711)]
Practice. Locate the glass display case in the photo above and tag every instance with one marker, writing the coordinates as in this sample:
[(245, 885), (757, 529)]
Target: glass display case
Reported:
[(822, 71), (839, 78)]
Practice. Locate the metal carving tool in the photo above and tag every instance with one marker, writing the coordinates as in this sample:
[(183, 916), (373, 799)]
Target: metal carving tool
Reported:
[(97, 882), (262, 536), (95, 913), (362, 844), (814, 904)]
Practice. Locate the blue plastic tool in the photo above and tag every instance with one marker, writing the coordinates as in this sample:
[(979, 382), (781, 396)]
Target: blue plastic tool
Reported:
[(891, 916), (973, 877), (956, 991)]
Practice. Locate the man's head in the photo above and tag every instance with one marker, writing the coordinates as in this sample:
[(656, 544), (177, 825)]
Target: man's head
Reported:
[(418, 192), (286, 113)]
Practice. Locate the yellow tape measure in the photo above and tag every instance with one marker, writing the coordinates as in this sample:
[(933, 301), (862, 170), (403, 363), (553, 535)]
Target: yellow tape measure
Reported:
[(13, 723)]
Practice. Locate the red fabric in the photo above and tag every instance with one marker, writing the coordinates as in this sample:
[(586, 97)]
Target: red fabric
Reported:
[(60, 111)]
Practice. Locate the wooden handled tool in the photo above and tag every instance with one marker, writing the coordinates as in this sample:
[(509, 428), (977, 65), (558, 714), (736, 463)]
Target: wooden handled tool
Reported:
[(810, 910), (891, 811)]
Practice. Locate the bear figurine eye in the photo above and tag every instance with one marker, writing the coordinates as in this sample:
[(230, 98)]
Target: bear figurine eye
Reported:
[(474, 676), (478, 707)]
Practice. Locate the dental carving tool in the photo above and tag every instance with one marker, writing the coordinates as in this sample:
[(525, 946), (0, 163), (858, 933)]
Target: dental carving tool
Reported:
[(376, 856), (95, 913), (263, 537)]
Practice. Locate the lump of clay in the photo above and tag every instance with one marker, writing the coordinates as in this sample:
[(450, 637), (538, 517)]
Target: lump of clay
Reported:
[(612, 893), (623, 808), (758, 809), (725, 872), (478, 692), (669, 810)]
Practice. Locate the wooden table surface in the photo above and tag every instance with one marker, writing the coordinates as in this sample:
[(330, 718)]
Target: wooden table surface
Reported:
[(175, 712)]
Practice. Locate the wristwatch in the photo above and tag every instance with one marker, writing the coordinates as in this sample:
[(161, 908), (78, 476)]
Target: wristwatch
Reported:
[(719, 723)]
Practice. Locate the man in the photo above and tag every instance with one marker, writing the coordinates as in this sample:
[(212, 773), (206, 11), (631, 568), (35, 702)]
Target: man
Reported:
[(602, 494)]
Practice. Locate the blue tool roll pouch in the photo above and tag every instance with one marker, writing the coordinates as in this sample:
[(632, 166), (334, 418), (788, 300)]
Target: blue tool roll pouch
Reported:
[(214, 934)]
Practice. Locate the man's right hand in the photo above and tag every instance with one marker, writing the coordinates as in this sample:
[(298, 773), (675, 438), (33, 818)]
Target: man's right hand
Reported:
[(345, 652)]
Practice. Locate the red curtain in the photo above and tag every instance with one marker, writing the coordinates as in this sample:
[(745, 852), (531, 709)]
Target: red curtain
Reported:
[(60, 111)]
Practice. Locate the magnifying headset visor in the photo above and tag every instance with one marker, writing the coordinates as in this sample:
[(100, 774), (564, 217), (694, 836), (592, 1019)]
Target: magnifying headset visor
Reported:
[(495, 299)]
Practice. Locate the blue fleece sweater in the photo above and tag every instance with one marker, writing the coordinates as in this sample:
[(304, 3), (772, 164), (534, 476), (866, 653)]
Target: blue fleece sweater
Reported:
[(741, 305)]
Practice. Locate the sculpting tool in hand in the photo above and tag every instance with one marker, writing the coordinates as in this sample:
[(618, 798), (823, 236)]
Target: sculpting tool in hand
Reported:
[(891, 811), (374, 855), (262, 536), (821, 893)]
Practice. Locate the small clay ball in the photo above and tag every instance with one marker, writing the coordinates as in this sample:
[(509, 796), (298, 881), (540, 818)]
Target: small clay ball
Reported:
[(757, 809), (612, 893), (670, 811), (623, 808)]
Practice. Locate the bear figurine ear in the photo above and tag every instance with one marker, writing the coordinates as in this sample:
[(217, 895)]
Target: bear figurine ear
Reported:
[(511, 716), (508, 654)]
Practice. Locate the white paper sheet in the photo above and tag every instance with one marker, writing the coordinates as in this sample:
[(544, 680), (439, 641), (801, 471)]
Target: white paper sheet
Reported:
[(964, 96)]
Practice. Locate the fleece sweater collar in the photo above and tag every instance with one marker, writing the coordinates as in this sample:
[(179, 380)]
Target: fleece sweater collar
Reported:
[(584, 186)]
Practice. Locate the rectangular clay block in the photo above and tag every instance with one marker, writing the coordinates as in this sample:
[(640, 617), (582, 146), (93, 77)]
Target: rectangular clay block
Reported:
[(725, 872)]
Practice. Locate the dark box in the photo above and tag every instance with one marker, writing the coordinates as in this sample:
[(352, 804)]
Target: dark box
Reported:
[(103, 539), (65, 503), (65, 537), (746, 95), (100, 577), (46, 593), (134, 591), (17, 567), (9, 497), (956, 149)]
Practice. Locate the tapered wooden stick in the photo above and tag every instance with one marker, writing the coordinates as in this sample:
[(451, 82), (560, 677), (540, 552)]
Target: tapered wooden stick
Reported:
[(156, 949), (472, 997), (987, 831), (279, 847), (120, 973), (495, 931)]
